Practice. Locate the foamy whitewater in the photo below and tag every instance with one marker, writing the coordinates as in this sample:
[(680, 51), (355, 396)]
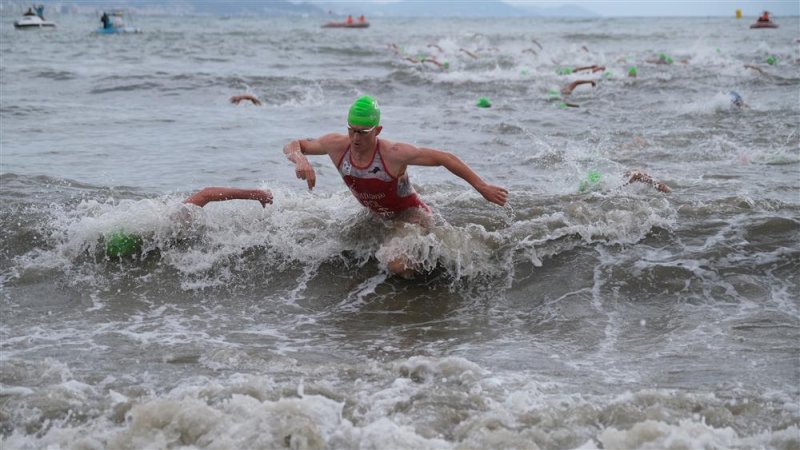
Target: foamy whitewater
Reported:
[(585, 314)]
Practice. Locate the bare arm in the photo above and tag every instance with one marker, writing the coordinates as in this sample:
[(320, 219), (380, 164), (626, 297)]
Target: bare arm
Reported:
[(218, 194), (431, 157), (472, 55), (297, 150), (566, 90), (578, 69), (642, 177), (238, 98)]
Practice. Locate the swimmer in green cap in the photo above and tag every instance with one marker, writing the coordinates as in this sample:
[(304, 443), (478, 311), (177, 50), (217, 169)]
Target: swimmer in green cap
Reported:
[(123, 243), (376, 170)]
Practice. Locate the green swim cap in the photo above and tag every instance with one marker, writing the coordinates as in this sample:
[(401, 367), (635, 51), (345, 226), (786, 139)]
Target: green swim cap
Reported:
[(121, 244), (632, 72), (552, 93), (771, 60), (365, 112), (592, 177), (484, 102), (564, 71)]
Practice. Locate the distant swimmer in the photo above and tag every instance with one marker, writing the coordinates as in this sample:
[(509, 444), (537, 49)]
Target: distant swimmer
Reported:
[(442, 65), (640, 176), (375, 171), (471, 55), (737, 100), (757, 69), (436, 47), (238, 98), (567, 90), (122, 243), (593, 68)]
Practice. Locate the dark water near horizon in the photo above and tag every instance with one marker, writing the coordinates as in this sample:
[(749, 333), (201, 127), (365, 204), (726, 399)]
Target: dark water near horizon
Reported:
[(613, 317)]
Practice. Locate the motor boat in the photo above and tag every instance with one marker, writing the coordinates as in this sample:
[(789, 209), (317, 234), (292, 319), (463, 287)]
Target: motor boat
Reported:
[(113, 23), (33, 20), (764, 22), (349, 23)]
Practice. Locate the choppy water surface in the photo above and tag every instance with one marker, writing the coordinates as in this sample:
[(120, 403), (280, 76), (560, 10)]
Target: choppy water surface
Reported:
[(609, 317)]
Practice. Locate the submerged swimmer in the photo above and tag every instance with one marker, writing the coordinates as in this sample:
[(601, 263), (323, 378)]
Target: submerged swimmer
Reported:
[(250, 97), (737, 100), (375, 171), (121, 243)]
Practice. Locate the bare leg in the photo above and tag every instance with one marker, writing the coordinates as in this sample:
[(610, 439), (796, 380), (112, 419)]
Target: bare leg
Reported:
[(412, 221)]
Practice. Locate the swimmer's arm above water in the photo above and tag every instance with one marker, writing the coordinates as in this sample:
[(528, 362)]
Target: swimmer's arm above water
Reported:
[(218, 194), (409, 155), (642, 177), (238, 98), (297, 150)]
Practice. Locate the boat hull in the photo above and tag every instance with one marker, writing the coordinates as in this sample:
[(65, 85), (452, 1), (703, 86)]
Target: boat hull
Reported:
[(346, 25), (28, 26), (764, 25), (117, 30)]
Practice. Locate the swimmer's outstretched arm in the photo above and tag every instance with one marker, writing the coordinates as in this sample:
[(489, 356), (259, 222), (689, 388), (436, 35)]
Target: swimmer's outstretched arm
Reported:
[(433, 61), (642, 177), (409, 155), (218, 194), (238, 98), (566, 90), (472, 55), (757, 69)]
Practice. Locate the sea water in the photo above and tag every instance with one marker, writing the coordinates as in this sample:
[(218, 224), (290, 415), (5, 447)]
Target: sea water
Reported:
[(584, 314)]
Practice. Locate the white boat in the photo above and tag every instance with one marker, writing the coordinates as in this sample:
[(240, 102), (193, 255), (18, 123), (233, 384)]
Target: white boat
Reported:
[(33, 20)]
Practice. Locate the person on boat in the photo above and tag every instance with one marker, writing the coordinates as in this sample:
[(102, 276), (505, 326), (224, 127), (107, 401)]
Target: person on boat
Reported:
[(40, 11), (349, 20), (105, 20), (362, 19), (567, 90), (375, 171), (250, 97), (764, 17), (29, 12)]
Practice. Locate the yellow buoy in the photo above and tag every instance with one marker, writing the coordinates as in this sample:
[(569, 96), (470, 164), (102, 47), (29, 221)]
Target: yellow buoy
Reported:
[(738, 13)]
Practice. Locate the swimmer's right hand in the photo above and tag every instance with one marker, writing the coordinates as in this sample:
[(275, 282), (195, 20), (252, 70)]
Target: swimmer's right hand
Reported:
[(304, 171)]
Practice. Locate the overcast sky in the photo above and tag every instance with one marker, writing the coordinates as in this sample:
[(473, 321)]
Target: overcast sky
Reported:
[(677, 7), (623, 8)]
